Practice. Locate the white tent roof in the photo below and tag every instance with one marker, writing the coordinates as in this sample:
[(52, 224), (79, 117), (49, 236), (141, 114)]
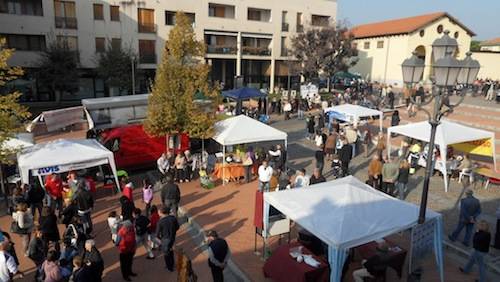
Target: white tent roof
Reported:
[(19, 142), (65, 154), (355, 112), (346, 212), (447, 132), (242, 129)]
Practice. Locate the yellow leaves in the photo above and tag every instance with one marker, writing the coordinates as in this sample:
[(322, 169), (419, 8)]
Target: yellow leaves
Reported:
[(182, 73), (12, 114)]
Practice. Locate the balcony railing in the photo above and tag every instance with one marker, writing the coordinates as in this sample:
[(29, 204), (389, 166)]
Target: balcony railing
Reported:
[(66, 22), (300, 28), (257, 51), (147, 58), (284, 26), (147, 28), (221, 49)]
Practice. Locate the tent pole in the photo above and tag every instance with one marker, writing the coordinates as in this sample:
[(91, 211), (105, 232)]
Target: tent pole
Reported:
[(389, 131), (494, 152), (381, 121), (223, 165)]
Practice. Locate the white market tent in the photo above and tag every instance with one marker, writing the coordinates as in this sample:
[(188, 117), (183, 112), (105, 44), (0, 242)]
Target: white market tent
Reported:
[(447, 133), (63, 155), (346, 213), (242, 130), (353, 113)]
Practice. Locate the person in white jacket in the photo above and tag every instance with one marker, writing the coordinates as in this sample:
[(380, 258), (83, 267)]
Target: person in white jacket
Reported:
[(24, 220)]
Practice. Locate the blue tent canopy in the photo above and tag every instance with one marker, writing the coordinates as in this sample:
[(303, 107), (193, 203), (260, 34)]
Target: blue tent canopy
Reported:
[(243, 93)]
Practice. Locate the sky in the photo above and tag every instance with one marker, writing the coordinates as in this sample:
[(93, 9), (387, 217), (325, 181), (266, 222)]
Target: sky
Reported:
[(481, 16)]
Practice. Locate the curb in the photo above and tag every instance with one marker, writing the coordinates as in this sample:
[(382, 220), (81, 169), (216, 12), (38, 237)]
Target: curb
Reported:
[(197, 233), (465, 254)]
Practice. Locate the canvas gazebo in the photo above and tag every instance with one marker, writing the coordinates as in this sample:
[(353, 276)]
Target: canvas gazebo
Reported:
[(63, 155), (353, 113), (447, 133), (346, 213)]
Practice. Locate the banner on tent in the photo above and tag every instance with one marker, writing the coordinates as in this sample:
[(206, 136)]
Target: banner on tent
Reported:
[(422, 242), (67, 167), (480, 147)]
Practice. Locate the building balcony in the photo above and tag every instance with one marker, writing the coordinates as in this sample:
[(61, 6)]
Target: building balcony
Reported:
[(66, 22), (284, 27), (147, 28), (221, 49), (300, 28), (147, 58), (256, 51)]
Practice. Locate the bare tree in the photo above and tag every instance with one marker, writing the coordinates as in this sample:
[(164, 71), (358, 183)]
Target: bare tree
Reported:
[(324, 51)]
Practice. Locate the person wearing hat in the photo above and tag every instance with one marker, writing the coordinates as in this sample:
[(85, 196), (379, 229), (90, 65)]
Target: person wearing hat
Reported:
[(374, 266), (470, 208), (218, 255)]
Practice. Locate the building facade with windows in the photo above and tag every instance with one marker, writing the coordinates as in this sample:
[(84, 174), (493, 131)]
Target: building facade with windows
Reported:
[(244, 38), (383, 46)]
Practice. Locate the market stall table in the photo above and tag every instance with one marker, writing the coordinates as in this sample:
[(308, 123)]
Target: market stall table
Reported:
[(231, 172), (396, 254), (281, 266), (488, 175)]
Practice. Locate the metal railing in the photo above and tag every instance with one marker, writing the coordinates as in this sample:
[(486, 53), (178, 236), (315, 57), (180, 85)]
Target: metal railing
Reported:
[(66, 22), (147, 28), (284, 26), (258, 51), (221, 49), (147, 58)]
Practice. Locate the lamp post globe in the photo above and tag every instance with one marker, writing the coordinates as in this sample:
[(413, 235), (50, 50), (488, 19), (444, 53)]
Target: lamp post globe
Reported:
[(413, 69), (443, 45), (469, 71), (446, 70)]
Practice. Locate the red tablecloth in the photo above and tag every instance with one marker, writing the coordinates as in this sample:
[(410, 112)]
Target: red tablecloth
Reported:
[(396, 258), (282, 267)]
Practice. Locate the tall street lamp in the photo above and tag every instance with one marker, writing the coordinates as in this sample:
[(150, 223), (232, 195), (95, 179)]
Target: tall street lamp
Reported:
[(449, 72)]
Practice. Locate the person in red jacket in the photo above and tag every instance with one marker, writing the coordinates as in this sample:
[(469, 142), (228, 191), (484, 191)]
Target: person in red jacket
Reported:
[(127, 188), (125, 241), (153, 219), (54, 188)]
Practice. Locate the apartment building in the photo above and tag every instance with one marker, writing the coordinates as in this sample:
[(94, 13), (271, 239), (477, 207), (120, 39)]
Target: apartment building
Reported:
[(247, 38)]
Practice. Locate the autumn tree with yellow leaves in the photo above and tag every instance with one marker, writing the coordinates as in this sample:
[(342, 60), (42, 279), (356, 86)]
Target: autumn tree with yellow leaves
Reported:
[(12, 114), (172, 108)]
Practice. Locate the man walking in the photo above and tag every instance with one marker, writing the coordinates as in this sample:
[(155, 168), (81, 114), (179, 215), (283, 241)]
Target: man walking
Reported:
[(218, 255), (390, 173), (85, 203), (142, 223), (166, 231), (170, 194), (470, 208)]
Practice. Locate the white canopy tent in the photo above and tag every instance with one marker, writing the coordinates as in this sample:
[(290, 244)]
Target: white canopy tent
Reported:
[(346, 213), (447, 133), (353, 113), (63, 155), (243, 130)]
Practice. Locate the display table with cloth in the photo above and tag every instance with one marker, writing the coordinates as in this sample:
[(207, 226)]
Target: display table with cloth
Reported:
[(281, 266), (487, 175), (231, 172), (396, 254)]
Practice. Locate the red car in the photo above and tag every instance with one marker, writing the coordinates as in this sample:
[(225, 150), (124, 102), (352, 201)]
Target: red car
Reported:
[(118, 126)]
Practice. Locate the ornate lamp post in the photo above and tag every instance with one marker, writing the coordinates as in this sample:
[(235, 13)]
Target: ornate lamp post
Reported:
[(448, 73)]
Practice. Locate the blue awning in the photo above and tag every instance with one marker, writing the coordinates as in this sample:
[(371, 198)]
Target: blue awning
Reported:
[(243, 93)]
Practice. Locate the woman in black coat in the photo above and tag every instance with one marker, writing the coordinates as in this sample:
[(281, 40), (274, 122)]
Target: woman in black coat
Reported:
[(48, 226), (127, 208)]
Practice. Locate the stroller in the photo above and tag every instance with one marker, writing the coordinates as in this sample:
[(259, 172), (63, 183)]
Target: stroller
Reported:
[(337, 168)]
